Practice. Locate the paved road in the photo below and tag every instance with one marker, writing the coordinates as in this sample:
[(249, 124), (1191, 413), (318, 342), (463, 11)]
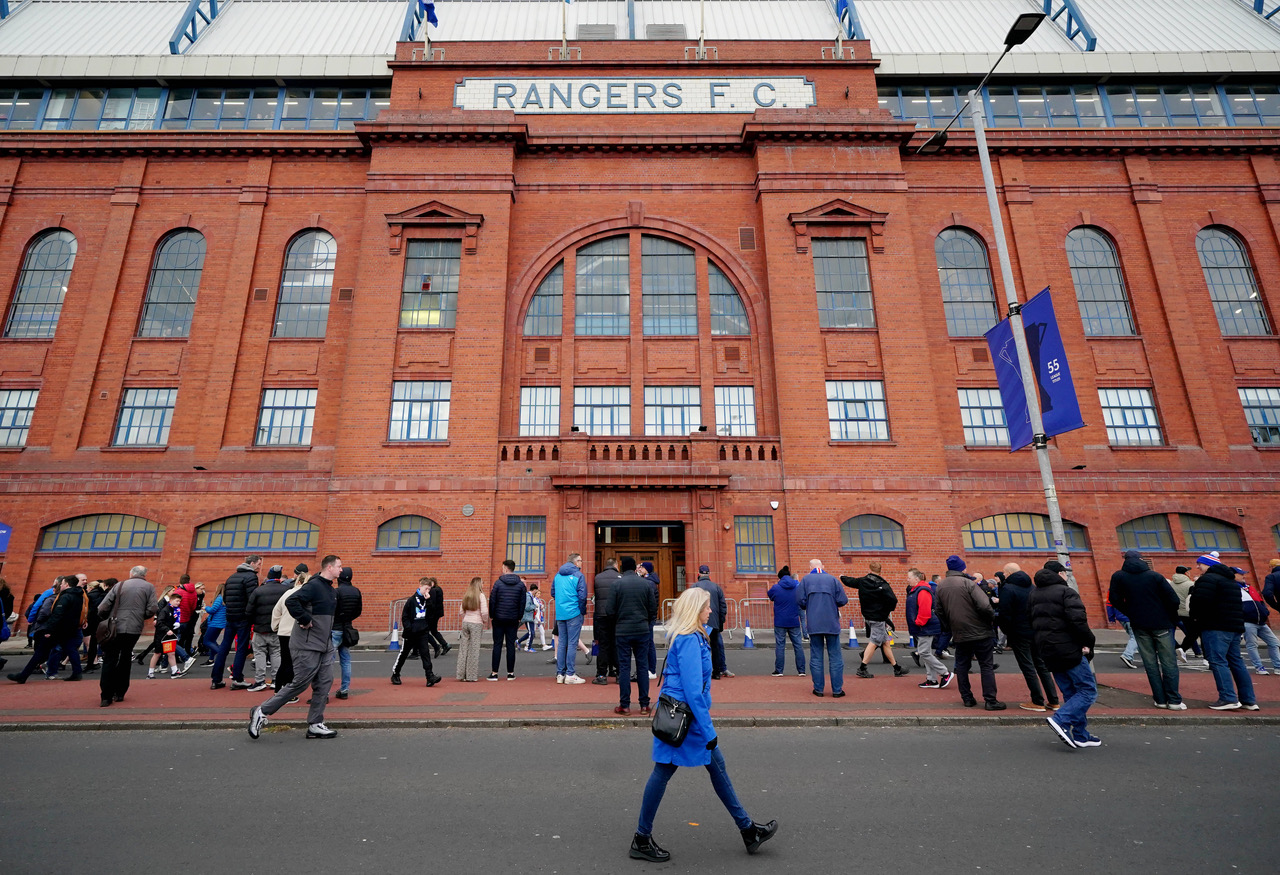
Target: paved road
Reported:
[(1193, 799)]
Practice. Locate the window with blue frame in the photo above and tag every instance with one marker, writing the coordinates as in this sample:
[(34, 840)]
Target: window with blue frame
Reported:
[(1020, 531), (982, 415), (544, 317), (174, 285), (968, 295), (527, 543), (145, 415), (420, 410), (257, 532), (1262, 412), (1275, 535), (20, 108), (1130, 417), (1100, 291), (856, 410), (842, 277), (286, 418), (871, 531), (305, 284), (102, 532), (101, 109), (1233, 289), (1147, 533), (17, 406), (42, 284), (1204, 533), (669, 293), (409, 532), (753, 544), (602, 300), (927, 106), (429, 296), (728, 315)]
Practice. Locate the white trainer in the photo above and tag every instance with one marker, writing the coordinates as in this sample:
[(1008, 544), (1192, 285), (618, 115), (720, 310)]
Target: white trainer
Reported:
[(573, 679)]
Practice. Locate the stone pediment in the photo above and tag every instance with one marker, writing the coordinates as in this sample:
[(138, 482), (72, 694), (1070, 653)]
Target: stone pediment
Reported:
[(435, 214), (838, 213)]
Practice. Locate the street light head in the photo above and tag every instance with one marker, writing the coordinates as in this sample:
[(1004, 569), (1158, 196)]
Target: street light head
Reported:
[(1022, 29), (934, 144)]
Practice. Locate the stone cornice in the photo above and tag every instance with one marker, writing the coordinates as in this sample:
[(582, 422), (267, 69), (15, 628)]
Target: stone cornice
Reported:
[(1114, 141)]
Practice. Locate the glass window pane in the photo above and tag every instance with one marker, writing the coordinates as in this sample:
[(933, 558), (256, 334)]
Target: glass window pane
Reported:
[(856, 410), (1262, 412), (103, 532), (42, 284), (672, 411), (305, 284), (1130, 417), (669, 298), (871, 532), (527, 543), (1100, 291), (420, 411), (429, 298), (602, 410), (968, 296), (145, 415), (175, 282), (539, 411), (17, 406), (260, 532), (982, 414), (753, 542), (543, 318), (736, 411), (602, 300), (1232, 287), (728, 315), (843, 281), (286, 417)]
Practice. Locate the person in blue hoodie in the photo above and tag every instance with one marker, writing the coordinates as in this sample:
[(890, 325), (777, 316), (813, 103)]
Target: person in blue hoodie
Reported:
[(786, 621), (822, 596), (570, 591)]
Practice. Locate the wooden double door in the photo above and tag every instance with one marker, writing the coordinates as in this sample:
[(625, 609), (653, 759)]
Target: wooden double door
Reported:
[(667, 559)]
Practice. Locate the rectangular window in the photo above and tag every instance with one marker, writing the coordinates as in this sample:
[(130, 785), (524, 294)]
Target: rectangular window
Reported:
[(602, 301), (20, 108), (856, 410), (669, 298), (672, 411), (539, 411), (286, 418), (982, 413), (527, 543), (16, 409), (753, 544), (602, 410), (420, 410), (736, 411), (1262, 412), (844, 284), (145, 415), (430, 295), (1130, 415)]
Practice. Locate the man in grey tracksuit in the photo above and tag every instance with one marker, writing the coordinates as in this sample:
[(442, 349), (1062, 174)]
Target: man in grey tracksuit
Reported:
[(311, 647)]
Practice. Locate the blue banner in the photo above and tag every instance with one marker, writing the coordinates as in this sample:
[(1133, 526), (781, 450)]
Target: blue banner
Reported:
[(5, 531), (1059, 407)]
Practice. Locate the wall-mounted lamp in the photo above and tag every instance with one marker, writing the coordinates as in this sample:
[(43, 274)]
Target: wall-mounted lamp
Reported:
[(702, 428), (574, 428)]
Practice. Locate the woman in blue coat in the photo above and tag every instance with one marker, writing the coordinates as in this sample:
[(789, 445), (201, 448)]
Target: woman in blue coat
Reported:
[(687, 677)]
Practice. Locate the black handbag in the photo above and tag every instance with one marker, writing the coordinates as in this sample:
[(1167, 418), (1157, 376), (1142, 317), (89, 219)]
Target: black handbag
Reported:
[(671, 718), (350, 637)]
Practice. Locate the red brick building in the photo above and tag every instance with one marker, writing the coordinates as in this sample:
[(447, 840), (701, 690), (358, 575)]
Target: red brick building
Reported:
[(514, 305)]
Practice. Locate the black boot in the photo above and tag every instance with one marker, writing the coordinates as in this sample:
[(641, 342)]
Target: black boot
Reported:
[(757, 834), (645, 848), (395, 679)]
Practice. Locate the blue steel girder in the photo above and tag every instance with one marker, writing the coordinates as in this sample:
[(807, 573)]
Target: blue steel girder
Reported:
[(1260, 7), (4, 9), (1066, 14), (847, 16), (195, 20), (415, 19)]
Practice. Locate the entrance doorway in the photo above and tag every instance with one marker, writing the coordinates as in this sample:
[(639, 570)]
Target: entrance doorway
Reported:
[(661, 543)]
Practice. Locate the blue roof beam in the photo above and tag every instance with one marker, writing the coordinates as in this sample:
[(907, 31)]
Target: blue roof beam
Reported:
[(847, 16), (195, 20), (1259, 6), (1066, 14), (419, 14), (4, 9)]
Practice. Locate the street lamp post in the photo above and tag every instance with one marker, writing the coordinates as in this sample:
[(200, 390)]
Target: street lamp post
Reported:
[(1021, 30)]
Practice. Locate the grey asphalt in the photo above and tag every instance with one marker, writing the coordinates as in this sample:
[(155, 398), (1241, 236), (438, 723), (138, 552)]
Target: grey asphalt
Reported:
[(1151, 799)]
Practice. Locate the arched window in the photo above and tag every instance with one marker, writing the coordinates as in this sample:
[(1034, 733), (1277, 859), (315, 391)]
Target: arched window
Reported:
[(1232, 286), (870, 531), (602, 297), (728, 316), (305, 284), (257, 531), (1204, 533), (968, 296), (1147, 533), (1100, 292), (42, 284), (546, 309), (409, 532), (103, 532), (1020, 531), (174, 285), (669, 287)]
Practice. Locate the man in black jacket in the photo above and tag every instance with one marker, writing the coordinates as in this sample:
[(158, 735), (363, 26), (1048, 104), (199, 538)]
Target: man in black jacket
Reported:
[(60, 628), (1271, 586), (634, 606), (719, 608), (604, 624), (1061, 628), (1216, 609), (415, 620), (1015, 621), (1151, 605), (235, 595), (876, 601), (435, 615), (349, 606), (506, 610), (266, 643)]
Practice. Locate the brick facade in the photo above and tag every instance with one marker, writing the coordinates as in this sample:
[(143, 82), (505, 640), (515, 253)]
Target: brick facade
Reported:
[(522, 192)]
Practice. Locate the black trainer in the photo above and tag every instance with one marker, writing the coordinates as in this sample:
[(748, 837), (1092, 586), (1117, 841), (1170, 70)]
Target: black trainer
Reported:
[(645, 848), (757, 834), (899, 671), (862, 671)]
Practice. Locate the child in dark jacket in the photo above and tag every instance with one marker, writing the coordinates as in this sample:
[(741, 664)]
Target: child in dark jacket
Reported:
[(167, 623)]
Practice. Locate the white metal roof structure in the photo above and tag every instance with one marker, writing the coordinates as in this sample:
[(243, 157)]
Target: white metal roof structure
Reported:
[(342, 38)]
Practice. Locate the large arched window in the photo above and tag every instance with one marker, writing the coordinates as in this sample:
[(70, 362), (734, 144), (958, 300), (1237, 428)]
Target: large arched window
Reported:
[(174, 285), (42, 284), (1146, 533), (1020, 531), (728, 316), (257, 531), (602, 297), (305, 284), (669, 287), (968, 295), (103, 532), (1233, 289), (546, 309), (409, 532), (1204, 533), (871, 531), (1100, 291)]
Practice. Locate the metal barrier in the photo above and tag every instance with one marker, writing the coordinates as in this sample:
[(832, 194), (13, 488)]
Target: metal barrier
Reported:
[(450, 622)]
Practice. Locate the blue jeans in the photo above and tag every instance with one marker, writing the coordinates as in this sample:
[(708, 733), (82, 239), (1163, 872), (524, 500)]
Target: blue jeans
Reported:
[(1161, 664), (831, 643), (210, 640), (240, 631), (1222, 649), (1131, 648), (567, 644), (780, 636), (1254, 631), (1079, 691), (804, 624), (657, 787), (344, 659)]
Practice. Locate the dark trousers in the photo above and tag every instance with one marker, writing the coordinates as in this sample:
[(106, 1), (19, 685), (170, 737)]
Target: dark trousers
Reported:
[(434, 637), (284, 675), (1190, 634), (717, 652), (44, 645), (241, 631), (653, 650), (627, 647), (984, 650), (422, 641), (117, 659), (606, 637), (186, 632), (504, 632), (1034, 671)]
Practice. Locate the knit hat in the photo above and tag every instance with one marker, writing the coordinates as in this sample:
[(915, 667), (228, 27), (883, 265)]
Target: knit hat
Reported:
[(1132, 554), (275, 572), (955, 563), (345, 574), (1055, 565), (1207, 561), (702, 569), (648, 566), (785, 571), (301, 568)]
